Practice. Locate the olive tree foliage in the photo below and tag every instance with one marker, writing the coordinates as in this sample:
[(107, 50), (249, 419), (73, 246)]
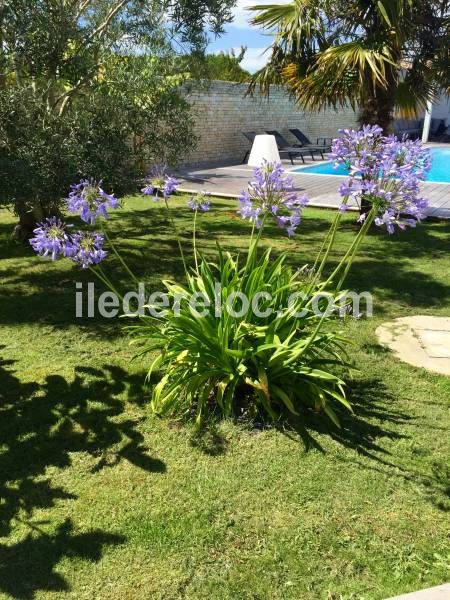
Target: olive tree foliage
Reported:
[(226, 66), (91, 88)]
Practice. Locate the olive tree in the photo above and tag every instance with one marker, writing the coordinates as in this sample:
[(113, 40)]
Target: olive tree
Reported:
[(91, 88)]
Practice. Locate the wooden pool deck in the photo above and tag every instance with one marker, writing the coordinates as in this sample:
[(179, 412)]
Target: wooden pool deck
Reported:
[(229, 181)]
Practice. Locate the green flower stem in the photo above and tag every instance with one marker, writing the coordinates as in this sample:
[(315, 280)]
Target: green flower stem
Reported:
[(330, 238), (194, 241), (260, 230), (321, 249), (100, 274), (250, 245), (177, 235), (315, 333), (122, 261), (364, 229), (347, 260), (254, 243), (351, 252)]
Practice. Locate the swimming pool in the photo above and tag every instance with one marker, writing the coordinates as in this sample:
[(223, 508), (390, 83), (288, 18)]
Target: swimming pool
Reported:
[(440, 168)]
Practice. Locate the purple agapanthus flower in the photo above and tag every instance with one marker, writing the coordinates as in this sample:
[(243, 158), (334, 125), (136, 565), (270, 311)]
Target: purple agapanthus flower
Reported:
[(89, 200), (160, 181), (170, 186), (385, 172), (149, 189), (271, 193), (50, 237), (86, 248), (388, 219), (199, 203)]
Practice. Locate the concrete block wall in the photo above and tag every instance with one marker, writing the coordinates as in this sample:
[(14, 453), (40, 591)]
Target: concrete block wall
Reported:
[(222, 111)]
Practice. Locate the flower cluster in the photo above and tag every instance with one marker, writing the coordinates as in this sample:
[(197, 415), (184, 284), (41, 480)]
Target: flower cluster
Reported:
[(83, 247), (199, 203), (272, 193), (86, 248), (51, 237), (89, 200), (384, 172), (160, 181)]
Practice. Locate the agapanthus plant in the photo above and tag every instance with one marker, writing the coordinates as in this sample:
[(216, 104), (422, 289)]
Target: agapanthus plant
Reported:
[(271, 194), (88, 199), (200, 202), (282, 357), (51, 238), (385, 175), (283, 361), (86, 248), (160, 182)]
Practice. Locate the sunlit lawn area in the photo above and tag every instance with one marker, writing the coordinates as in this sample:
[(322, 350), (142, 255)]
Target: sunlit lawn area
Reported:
[(102, 500)]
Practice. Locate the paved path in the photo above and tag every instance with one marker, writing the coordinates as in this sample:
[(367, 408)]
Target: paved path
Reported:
[(440, 592), (321, 189), (422, 341)]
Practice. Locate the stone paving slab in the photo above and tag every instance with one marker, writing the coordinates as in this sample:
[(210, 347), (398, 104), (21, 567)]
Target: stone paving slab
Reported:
[(440, 592), (229, 181), (422, 341), (436, 343)]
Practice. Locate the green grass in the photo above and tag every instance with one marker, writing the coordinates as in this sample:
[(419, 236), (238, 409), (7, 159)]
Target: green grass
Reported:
[(102, 500)]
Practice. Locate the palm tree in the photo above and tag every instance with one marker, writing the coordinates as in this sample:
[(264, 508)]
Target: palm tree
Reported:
[(376, 55)]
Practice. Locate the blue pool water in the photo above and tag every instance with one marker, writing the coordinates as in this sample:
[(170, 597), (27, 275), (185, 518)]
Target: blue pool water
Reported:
[(440, 168)]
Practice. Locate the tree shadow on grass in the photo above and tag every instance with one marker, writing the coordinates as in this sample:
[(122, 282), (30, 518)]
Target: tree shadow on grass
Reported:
[(437, 485), (29, 565), (147, 242), (429, 239), (399, 283), (42, 424)]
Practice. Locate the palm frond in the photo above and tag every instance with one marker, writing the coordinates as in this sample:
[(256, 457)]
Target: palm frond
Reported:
[(300, 33), (415, 90), (276, 16), (340, 76), (297, 25), (270, 74), (358, 57)]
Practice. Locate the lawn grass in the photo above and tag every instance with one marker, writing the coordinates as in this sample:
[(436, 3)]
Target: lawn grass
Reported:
[(102, 500)]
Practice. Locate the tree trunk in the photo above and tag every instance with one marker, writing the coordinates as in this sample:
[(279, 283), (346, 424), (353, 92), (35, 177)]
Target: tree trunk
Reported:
[(378, 109), (2, 53), (29, 216)]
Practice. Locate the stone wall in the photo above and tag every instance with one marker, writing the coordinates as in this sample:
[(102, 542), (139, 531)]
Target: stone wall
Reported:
[(222, 111)]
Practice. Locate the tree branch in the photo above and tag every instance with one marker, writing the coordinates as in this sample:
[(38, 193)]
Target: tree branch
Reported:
[(109, 17), (82, 7), (65, 96)]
